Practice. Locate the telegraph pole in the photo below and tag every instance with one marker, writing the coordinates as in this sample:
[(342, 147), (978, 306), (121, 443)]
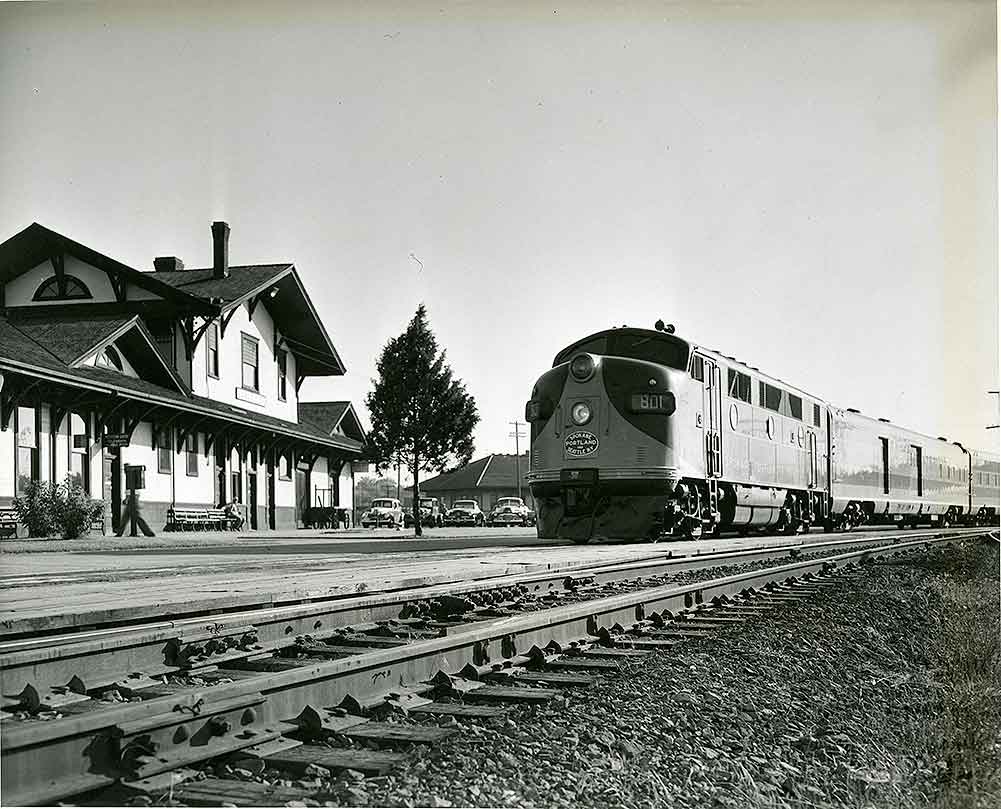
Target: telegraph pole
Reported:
[(517, 449)]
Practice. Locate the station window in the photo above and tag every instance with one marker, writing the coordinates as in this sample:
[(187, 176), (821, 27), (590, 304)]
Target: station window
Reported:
[(236, 475), (191, 452), (284, 467), (79, 447), (698, 368), (212, 351), (282, 357), (74, 289), (163, 439), (27, 447), (738, 385), (249, 358)]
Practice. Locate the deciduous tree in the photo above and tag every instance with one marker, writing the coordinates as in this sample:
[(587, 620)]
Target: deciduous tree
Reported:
[(420, 413)]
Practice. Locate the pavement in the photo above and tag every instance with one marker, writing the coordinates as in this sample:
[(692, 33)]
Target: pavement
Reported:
[(51, 590)]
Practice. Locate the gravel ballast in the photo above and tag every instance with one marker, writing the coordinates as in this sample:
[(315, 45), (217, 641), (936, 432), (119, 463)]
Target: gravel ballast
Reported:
[(878, 692)]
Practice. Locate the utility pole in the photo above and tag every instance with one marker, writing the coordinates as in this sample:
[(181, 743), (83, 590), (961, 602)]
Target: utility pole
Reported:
[(993, 393), (398, 479), (517, 449)]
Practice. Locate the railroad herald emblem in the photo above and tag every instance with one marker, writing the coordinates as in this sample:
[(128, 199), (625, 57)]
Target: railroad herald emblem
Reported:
[(580, 443)]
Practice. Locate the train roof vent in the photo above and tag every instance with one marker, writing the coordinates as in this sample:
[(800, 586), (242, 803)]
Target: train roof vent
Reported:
[(887, 421), (853, 410)]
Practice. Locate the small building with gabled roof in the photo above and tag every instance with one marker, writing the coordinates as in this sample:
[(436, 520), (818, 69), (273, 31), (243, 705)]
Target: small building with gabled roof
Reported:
[(193, 373), (484, 480)]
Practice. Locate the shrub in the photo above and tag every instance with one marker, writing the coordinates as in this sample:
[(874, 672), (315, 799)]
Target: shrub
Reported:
[(36, 508), (75, 511), (45, 509)]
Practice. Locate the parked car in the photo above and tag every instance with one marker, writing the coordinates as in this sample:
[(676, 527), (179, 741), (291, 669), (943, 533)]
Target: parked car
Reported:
[(432, 514), (465, 512), (384, 511), (510, 511)]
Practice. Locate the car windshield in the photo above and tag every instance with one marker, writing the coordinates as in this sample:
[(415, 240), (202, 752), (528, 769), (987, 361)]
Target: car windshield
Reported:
[(509, 501), (464, 504), (427, 501), (382, 504), (638, 344)]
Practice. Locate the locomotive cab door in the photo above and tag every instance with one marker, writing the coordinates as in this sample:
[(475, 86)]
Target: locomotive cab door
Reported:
[(811, 443), (712, 405)]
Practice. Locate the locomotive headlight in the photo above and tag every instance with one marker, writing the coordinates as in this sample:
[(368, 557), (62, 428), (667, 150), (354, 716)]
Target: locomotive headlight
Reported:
[(580, 413), (582, 367)]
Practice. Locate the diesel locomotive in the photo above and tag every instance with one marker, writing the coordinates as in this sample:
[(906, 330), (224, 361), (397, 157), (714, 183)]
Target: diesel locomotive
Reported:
[(638, 433)]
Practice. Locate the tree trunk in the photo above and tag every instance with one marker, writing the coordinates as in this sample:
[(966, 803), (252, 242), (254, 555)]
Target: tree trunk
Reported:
[(417, 497)]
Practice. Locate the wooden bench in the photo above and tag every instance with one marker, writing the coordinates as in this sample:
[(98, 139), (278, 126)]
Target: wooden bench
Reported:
[(194, 519), (8, 522)]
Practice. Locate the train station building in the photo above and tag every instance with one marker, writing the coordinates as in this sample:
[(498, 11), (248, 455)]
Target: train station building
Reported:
[(193, 374)]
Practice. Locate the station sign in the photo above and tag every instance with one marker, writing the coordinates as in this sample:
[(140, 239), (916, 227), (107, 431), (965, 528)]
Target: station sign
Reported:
[(112, 440)]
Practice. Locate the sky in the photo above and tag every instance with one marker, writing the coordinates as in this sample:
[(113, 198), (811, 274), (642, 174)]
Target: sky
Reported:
[(810, 187)]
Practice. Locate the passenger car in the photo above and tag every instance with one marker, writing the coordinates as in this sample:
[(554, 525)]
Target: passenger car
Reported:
[(432, 513), (465, 512), (638, 433), (510, 511), (384, 511)]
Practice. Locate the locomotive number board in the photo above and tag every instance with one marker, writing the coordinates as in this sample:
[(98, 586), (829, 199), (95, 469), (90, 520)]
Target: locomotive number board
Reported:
[(652, 403)]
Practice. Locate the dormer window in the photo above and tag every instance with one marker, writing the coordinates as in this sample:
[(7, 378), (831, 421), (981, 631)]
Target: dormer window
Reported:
[(73, 289), (109, 359)]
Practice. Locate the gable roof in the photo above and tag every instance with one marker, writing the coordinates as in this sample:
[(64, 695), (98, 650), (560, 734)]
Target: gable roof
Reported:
[(243, 280), (72, 340), (20, 354), (36, 243), (328, 416), (496, 471)]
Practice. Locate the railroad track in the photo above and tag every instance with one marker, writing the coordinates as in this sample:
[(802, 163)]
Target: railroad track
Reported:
[(268, 689)]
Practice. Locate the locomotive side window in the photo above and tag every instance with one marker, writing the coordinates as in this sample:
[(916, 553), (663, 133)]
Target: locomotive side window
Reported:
[(769, 396), (698, 368), (796, 407), (738, 385)]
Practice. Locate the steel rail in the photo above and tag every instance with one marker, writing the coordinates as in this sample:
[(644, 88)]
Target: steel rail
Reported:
[(45, 761), (102, 658)]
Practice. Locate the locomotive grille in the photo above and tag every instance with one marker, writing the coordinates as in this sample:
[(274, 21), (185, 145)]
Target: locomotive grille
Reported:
[(536, 459), (641, 455)]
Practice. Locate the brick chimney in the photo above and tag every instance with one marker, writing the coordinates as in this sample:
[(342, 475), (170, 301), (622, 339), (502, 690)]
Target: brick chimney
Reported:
[(220, 250), (168, 264)]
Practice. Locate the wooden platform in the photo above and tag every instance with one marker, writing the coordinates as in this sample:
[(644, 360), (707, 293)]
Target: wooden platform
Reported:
[(47, 591)]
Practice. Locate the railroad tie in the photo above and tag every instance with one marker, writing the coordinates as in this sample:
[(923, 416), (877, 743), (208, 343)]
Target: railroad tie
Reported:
[(459, 710), (553, 678), (389, 732), (579, 664), (504, 693), (370, 762), (216, 791), (604, 651)]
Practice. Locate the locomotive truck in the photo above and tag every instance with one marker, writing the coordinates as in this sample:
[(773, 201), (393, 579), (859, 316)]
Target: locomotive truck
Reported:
[(638, 433)]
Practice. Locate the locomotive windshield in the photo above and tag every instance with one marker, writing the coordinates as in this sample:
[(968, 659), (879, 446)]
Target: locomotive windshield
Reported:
[(637, 344)]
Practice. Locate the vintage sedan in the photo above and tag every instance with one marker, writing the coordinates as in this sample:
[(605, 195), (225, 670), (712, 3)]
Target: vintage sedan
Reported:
[(432, 513), (384, 512), (465, 512), (510, 511)]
